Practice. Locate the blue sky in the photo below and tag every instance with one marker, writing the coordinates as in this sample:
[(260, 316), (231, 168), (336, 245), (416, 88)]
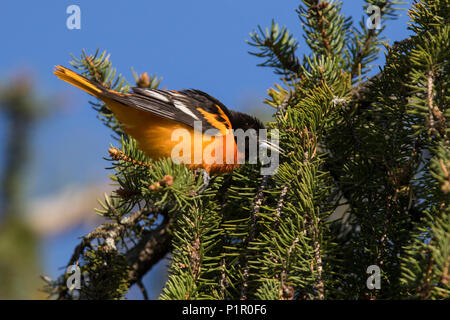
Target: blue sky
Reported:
[(190, 44)]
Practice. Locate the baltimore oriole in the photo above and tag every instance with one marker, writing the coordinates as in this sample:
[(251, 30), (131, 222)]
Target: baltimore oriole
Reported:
[(150, 116)]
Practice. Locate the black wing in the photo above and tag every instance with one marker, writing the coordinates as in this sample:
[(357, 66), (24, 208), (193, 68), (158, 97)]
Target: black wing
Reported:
[(186, 106)]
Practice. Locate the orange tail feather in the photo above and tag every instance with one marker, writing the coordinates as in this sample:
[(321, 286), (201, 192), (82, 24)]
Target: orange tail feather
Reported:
[(77, 80)]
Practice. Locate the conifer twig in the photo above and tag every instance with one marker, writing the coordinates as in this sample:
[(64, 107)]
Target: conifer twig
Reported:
[(280, 202), (361, 54), (153, 246), (252, 232), (117, 154), (319, 7), (320, 287)]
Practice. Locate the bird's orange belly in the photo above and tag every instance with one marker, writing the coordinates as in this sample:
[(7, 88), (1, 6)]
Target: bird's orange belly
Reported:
[(160, 138)]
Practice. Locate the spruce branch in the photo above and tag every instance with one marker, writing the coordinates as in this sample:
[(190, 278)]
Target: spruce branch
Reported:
[(286, 236), (259, 198), (369, 43), (364, 46), (279, 206), (318, 8), (151, 248), (319, 285), (278, 48), (119, 155), (325, 28)]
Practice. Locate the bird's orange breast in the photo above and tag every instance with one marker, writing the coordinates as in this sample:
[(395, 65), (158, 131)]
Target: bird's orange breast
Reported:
[(155, 137)]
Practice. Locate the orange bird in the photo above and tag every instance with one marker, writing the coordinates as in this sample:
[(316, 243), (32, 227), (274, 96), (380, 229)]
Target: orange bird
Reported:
[(151, 116)]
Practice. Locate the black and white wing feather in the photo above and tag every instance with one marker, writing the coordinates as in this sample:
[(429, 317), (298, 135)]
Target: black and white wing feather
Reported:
[(186, 106)]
